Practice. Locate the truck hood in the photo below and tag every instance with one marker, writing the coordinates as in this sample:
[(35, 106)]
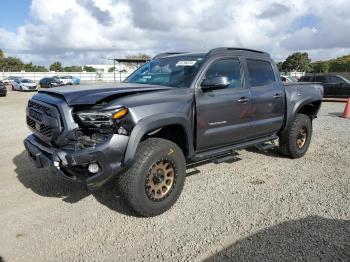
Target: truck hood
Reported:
[(90, 95)]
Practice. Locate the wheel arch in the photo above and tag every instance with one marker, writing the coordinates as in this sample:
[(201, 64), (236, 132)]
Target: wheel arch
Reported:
[(167, 122), (309, 107)]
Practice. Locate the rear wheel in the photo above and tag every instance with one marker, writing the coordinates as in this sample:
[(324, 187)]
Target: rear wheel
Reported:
[(155, 180), (295, 140)]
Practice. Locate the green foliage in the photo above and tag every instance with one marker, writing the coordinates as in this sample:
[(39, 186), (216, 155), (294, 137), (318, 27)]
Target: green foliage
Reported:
[(111, 69), (40, 68), (2, 55), (56, 66), (89, 69), (12, 64), (297, 62), (340, 64), (72, 69), (30, 67)]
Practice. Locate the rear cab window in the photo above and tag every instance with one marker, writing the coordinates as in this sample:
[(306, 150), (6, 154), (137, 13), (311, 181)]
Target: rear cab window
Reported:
[(260, 73)]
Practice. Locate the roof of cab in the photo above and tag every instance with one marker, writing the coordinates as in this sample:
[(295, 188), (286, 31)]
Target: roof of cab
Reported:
[(218, 51)]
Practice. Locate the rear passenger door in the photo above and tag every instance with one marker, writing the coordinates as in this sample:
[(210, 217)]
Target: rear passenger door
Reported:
[(267, 98)]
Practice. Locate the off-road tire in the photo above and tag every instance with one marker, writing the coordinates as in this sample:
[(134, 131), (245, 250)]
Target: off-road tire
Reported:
[(288, 137), (132, 183)]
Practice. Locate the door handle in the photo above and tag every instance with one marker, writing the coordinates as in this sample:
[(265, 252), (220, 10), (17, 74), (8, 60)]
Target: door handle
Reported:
[(277, 96), (243, 100)]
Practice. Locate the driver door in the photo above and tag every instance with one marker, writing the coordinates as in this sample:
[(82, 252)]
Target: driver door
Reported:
[(222, 114)]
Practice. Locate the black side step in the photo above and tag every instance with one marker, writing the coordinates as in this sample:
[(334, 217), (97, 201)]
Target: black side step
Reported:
[(265, 146), (210, 154), (226, 158)]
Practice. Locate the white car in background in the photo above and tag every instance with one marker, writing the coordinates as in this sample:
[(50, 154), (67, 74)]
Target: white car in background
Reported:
[(9, 80), (288, 79), (24, 85), (65, 80)]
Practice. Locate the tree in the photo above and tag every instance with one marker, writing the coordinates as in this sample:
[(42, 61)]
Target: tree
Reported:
[(72, 69), (29, 67), (279, 66), (340, 64), (2, 55), (111, 69), (40, 68), (89, 69), (56, 66), (297, 62), (12, 64)]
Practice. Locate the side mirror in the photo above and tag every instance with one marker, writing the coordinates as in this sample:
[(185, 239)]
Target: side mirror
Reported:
[(217, 82)]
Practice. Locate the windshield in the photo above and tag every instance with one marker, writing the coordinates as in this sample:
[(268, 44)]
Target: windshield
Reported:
[(177, 71), (27, 81)]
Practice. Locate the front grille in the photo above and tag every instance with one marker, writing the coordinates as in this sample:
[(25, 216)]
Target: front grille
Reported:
[(46, 130), (43, 119), (40, 107), (30, 122)]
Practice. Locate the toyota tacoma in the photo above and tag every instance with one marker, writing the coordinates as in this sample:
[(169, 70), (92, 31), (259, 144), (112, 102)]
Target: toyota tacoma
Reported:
[(175, 111)]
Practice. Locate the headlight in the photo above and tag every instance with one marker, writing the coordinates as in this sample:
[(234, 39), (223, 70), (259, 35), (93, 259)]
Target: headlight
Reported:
[(101, 119)]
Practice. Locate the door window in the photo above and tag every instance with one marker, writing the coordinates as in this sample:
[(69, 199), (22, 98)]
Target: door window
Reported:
[(226, 67), (335, 80), (321, 79), (306, 79), (260, 73)]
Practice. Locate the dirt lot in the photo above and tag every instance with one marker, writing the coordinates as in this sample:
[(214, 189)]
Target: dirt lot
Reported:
[(263, 207)]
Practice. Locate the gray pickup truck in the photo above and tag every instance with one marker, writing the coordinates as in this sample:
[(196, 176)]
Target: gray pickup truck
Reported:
[(174, 111)]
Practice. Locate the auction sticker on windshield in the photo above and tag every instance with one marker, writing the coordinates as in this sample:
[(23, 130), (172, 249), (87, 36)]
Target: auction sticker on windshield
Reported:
[(186, 63)]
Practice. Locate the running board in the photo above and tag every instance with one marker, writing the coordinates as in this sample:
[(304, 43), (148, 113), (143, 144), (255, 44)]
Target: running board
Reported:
[(214, 153), (226, 158), (265, 146)]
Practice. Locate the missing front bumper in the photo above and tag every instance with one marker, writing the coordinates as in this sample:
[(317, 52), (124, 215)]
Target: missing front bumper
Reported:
[(71, 165)]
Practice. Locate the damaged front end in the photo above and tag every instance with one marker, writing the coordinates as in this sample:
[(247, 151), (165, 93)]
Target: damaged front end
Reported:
[(81, 143)]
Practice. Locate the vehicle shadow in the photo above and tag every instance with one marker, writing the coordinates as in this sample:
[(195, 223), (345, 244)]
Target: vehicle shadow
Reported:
[(45, 184), (312, 238), (274, 152), (336, 114)]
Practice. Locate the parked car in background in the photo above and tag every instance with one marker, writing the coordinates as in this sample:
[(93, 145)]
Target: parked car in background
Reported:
[(74, 80), (64, 80), (24, 85), (9, 80), (288, 79), (3, 90), (334, 85), (48, 82)]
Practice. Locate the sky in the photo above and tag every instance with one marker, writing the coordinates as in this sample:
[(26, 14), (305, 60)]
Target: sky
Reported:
[(78, 32)]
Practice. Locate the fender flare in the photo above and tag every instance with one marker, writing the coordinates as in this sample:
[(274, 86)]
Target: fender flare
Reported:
[(149, 124), (291, 113)]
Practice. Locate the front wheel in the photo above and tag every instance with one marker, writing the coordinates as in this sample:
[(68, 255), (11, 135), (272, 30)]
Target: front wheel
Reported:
[(155, 180), (295, 140)]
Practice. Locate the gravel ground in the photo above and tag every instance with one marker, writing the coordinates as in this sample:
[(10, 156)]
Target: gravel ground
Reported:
[(263, 207)]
